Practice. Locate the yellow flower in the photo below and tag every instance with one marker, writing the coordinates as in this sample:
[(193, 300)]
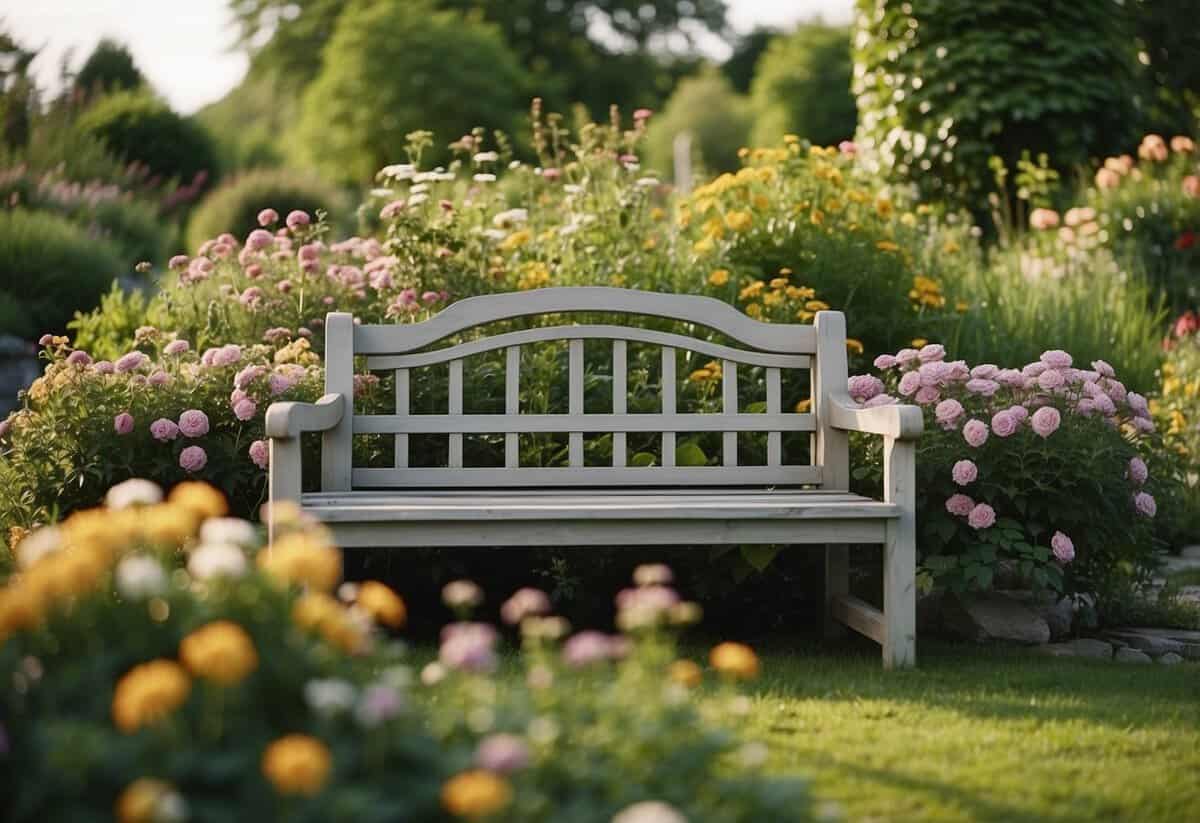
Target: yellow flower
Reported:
[(703, 245), (950, 247), (908, 219), (800, 292), (791, 138), (778, 282), (149, 692), (169, 523), (20, 608), (918, 342), (657, 214), (816, 305), (141, 802), (699, 375), (476, 793), (649, 243), (515, 240), (751, 291), (297, 764), (773, 298), (735, 660), (962, 306), (743, 152), (817, 218), (534, 275), (854, 346), (719, 277), (685, 673), (201, 498), (887, 245), (383, 604), (221, 651), (739, 221), (303, 558), (883, 207), (804, 406), (754, 310), (320, 613)]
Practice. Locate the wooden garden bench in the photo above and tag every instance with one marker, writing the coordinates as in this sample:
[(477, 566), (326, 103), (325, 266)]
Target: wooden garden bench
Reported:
[(581, 505)]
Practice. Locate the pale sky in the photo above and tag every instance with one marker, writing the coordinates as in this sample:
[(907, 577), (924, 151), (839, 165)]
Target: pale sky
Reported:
[(184, 46)]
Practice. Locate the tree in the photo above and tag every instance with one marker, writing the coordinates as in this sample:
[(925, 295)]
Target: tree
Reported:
[(391, 69), (18, 95), (717, 118), (802, 86), (747, 50), (109, 67), (1169, 52)]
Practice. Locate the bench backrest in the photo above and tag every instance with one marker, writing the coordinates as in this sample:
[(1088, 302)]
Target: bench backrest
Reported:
[(820, 348)]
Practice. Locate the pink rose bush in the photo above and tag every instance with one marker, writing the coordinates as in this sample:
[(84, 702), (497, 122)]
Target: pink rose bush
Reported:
[(1046, 466)]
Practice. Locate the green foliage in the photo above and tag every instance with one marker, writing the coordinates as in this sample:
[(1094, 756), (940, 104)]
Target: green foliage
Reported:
[(18, 95), (748, 48), (802, 87), (1169, 57), (942, 85), (109, 67), (234, 206), (716, 117), (390, 69), (139, 128), (108, 331), (248, 123), (50, 267)]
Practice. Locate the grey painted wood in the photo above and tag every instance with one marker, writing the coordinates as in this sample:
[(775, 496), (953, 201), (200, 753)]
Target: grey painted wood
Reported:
[(620, 375), (512, 404), (774, 406), (455, 457), (402, 409), (896, 421), (900, 554), (575, 400), (585, 332), (860, 616), (587, 476), (475, 311), (289, 419), (831, 446), (337, 442), (729, 403), (283, 475), (668, 389), (561, 423)]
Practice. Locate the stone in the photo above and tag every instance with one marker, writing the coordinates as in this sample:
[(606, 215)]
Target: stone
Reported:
[(1060, 617), (1192, 552), (1149, 643), (1170, 659), (1131, 656), (991, 617), (19, 367), (1091, 647), (1056, 650), (1188, 640)]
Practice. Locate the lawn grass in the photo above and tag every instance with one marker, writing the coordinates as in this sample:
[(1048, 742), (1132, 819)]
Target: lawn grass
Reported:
[(984, 735)]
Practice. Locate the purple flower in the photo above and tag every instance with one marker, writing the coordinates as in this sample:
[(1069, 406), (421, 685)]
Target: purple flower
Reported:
[(163, 430), (79, 358), (524, 603), (1145, 505), (247, 376), (931, 353), (193, 423), (1050, 380), (863, 387), (179, 261), (378, 704), (965, 472), (907, 357), (502, 753), (123, 423), (176, 347), (1103, 368), (975, 432), (130, 362), (259, 239), (260, 454), (1138, 471), (909, 383), (886, 361), (1064, 549), (1057, 359), (193, 459), (468, 647), (587, 648), (982, 386), (1045, 421), (985, 371), (926, 395), (982, 516)]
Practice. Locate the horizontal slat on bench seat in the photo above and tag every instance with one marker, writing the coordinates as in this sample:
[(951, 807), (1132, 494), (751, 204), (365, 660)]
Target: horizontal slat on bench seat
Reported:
[(501, 423), (587, 476), (586, 332)]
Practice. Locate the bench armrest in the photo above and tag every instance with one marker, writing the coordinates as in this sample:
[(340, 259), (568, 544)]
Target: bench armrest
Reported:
[(287, 420), (894, 421)]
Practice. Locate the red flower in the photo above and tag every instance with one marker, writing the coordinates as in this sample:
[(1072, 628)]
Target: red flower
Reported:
[(1185, 241), (1188, 323)]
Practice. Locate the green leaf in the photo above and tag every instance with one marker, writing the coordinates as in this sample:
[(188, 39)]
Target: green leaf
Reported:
[(689, 453), (759, 556), (642, 460)]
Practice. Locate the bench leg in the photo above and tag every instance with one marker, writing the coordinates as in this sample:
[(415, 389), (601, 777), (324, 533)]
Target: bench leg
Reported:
[(900, 557), (837, 584)]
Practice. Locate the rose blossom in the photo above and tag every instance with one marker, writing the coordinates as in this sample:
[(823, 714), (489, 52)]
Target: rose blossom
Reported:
[(1004, 424), (1045, 421), (863, 387), (1138, 471), (524, 603), (975, 432), (297, 218), (931, 353), (947, 412), (959, 505), (906, 357), (1103, 368), (926, 395), (1064, 549), (502, 753), (886, 361), (260, 453), (123, 423), (193, 423), (985, 371), (129, 362), (965, 472), (982, 386), (1018, 412), (909, 383), (982, 516), (468, 647), (1056, 359), (79, 358), (163, 430), (244, 409), (1145, 505), (176, 347), (1050, 380), (192, 459), (267, 217)]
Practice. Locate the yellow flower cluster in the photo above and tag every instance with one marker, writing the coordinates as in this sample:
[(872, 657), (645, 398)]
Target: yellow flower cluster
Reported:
[(534, 275), (383, 604), (304, 558), (476, 793), (926, 293), (142, 800), (709, 372), (298, 351), (685, 673), (516, 240), (322, 614), (148, 693), (297, 764), (221, 652), (736, 661)]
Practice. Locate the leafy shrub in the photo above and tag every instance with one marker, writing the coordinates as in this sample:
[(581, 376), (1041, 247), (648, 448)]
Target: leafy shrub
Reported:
[(1177, 410), (109, 67), (51, 267), (233, 207), (717, 119), (139, 128), (194, 674), (802, 86), (392, 68), (1048, 468), (943, 85)]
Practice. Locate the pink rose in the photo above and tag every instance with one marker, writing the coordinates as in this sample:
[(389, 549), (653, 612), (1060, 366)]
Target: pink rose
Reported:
[(163, 430), (959, 505), (1050, 380), (193, 423), (982, 386), (1042, 219), (502, 753), (159, 378), (982, 516), (524, 603), (1056, 359), (907, 357), (1011, 378), (297, 218), (1019, 412), (1145, 505), (1104, 404), (1064, 549), (123, 423), (244, 409), (909, 383), (179, 261), (1138, 471), (931, 353), (926, 395), (985, 371), (259, 239), (130, 362), (947, 412), (176, 347), (1004, 424), (886, 361), (1103, 368), (965, 472), (863, 387), (260, 453), (79, 358), (102, 367), (1046, 421), (1143, 425), (975, 432), (192, 459), (268, 217)]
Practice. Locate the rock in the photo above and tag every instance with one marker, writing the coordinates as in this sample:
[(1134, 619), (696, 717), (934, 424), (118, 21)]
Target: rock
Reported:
[(19, 367), (1192, 552), (1131, 656), (994, 617), (1170, 659), (1091, 647), (1059, 617), (1188, 640), (1056, 650), (1149, 643), (1182, 563)]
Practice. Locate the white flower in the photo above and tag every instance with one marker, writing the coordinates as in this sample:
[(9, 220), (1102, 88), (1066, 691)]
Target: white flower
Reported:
[(417, 199), (649, 811), (486, 157), (633, 165), (495, 234), (330, 696), (134, 492), (432, 674), (171, 808), (398, 171), (516, 164), (211, 560), (140, 576), (446, 176), (228, 530), (572, 188), (508, 218), (347, 592), (382, 193), (419, 188), (458, 594), (424, 177), (42, 542), (484, 178), (646, 182)]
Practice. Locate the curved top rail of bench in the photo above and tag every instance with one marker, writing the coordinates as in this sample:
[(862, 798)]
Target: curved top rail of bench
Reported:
[(489, 308)]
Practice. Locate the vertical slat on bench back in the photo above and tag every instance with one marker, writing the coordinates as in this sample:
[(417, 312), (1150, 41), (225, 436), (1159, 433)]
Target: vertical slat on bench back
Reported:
[(668, 403), (456, 407), (831, 447), (402, 407), (620, 391), (729, 404), (512, 404), (575, 400), (337, 444), (774, 406)]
